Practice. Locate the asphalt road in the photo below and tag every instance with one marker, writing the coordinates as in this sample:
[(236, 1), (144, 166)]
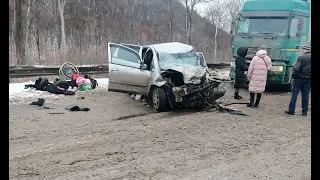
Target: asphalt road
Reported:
[(122, 138)]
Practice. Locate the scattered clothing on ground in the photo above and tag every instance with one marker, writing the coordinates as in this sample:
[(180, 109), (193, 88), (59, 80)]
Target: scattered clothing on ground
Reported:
[(94, 82), (40, 102), (65, 84), (85, 87), (43, 84), (77, 108)]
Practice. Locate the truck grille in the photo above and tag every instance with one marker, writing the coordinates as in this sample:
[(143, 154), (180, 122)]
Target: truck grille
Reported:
[(253, 50)]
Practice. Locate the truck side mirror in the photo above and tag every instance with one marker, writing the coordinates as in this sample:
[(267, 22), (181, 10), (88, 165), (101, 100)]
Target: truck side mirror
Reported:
[(238, 16)]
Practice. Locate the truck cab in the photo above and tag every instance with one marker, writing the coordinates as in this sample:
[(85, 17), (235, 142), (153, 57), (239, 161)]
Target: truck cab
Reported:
[(282, 25)]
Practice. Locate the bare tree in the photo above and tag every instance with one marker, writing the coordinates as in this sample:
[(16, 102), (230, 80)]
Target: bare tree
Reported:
[(171, 17), (20, 48), (63, 45), (49, 32), (189, 5), (233, 7), (217, 15), (28, 20)]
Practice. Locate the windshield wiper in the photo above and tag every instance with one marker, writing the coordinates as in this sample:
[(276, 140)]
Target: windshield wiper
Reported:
[(246, 35), (271, 37)]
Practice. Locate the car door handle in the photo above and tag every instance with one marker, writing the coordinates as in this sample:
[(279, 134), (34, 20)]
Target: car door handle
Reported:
[(114, 69)]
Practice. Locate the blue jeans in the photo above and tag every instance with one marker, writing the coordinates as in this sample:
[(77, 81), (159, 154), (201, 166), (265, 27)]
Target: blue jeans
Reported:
[(304, 86)]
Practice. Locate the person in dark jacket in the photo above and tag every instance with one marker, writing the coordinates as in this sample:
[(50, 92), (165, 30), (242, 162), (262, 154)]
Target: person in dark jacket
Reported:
[(241, 68), (301, 81)]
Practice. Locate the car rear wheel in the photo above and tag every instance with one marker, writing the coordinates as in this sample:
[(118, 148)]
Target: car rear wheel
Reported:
[(159, 99)]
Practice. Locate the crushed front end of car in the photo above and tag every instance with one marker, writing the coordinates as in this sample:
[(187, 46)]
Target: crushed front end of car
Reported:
[(192, 87)]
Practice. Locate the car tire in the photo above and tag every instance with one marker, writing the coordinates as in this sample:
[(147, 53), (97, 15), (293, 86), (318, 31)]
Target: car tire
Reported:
[(159, 99)]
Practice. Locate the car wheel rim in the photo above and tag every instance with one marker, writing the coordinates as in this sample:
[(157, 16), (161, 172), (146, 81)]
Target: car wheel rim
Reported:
[(155, 100)]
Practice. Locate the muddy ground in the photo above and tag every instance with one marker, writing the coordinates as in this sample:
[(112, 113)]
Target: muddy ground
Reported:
[(57, 144)]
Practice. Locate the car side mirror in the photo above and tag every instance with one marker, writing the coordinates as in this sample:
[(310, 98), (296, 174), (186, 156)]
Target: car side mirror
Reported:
[(143, 66)]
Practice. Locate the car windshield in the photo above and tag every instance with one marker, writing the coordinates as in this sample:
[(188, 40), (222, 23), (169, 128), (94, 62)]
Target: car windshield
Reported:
[(259, 25), (201, 59), (167, 61)]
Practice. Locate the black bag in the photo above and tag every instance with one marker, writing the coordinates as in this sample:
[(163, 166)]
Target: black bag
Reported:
[(94, 83), (41, 83), (52, 88)]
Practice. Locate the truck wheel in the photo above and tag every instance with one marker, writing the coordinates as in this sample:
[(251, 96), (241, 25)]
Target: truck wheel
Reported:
[(232, 81), (288, 87), (159, 99)]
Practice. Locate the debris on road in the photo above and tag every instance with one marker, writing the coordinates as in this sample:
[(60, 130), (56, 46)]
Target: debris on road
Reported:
[(40, 102), (235, 103), (45, 107), (223, 108), (56, 113), (77, 108), (131, 116)]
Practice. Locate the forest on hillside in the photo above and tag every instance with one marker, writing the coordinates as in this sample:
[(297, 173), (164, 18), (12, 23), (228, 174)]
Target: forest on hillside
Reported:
[(55, 31)]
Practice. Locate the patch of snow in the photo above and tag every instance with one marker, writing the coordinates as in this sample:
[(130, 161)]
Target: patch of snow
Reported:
[(172, 47), (31, 94), (17, 87), (18, 93), (221, 73), (103, 82)]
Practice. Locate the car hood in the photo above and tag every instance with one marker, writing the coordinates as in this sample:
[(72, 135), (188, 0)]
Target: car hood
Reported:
[(192, 74)]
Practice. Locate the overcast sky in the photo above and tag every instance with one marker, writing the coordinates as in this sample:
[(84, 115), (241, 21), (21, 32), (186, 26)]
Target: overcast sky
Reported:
[(200, 8)]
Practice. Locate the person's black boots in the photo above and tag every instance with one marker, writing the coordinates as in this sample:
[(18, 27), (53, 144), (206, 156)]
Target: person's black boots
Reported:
[(251, 100), (257, 100), (40, 102), (304, 113), (236, 96), (289, 112)]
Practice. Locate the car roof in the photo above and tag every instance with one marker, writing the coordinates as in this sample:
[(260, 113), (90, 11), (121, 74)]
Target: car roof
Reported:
[(172, 47)]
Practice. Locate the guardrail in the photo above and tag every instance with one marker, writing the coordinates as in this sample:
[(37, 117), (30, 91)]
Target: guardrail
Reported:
[(218, 65), (38, 70), (28, 71)]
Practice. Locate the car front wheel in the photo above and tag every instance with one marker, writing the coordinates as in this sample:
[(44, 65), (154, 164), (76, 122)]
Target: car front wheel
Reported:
[(159, 99)]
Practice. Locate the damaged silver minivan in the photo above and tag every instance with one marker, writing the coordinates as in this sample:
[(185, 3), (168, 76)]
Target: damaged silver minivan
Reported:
[(168, 75)]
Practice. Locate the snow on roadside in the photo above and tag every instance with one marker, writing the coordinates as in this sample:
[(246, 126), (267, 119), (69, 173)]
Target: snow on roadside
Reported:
[(221, 73), (17, 93), (103, 82)]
